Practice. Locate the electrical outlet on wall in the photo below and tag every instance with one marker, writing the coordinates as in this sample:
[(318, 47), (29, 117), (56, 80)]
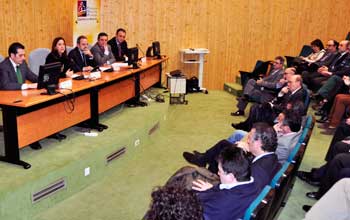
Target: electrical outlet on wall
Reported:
[(87, 171)]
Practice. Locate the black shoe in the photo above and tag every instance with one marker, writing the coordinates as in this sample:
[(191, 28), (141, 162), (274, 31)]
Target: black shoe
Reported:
[(323, 119), (35, 146), (197, 153), (193, 159), (237, 113), (58, 136), (312, 195), (306, 208), (307, 177), (320, 113)]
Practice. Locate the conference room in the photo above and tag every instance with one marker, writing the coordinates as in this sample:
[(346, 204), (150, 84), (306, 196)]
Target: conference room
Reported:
[(111, 108)]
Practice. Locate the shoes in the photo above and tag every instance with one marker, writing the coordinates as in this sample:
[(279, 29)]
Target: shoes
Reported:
[(323, 125), (306, 208), (307, 177), (193, 159), (328, 131), (312, 195), (58, 136), (237, 113), (197, 153), (320, 113), (323, 119), (35, 146)]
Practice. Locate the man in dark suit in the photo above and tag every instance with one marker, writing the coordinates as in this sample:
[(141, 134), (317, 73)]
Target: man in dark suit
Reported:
[(262, 90), (262, 143), (14, 70), (291, 93), (119, 45), (237, 189), (82, 58)]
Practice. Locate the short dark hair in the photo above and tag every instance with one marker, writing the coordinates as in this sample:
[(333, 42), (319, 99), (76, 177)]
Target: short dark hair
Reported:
[(120, 29), (317, 43), (267, 135), (292, 120), (233, 160), (14, 48), (102, 34), (281, 59), (174, 202), (80, 38), (336, 43)]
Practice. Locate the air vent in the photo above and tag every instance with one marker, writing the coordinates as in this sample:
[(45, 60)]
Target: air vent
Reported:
[(154, 128), (49, 190), (115, 155)]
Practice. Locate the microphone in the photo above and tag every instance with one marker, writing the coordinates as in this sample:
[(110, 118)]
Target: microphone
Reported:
[(138, 47)]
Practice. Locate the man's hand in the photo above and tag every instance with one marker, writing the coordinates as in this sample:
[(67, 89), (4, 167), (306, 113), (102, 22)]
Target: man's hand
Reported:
[(322, 68), (69, 73), (200, 185), (87, 68), (346, 80), (259, 81), (87, 52), (325, 73), (243, 145), (285, 90)]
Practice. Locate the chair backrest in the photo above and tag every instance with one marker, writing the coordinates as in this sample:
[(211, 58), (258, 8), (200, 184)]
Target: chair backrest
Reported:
[(36, 58), (307, 98), (259, 208), (1, 58), (294, 152), (306, 50), (69, 48), (276, 180), (347, 36)]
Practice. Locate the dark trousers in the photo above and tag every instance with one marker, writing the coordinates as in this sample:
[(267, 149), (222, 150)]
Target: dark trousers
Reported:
[(314, 80), (337, 168)]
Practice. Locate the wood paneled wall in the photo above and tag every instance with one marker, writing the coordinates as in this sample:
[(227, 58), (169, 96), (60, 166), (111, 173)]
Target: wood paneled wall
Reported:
[(35, 23), (237, 32)]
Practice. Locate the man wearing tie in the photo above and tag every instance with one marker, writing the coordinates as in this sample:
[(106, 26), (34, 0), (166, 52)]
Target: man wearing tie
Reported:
[(82, 58), (102, 51), (119, 45), (14, 70)]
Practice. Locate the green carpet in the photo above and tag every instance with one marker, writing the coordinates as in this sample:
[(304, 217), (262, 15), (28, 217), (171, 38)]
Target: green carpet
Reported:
[(123, 192)]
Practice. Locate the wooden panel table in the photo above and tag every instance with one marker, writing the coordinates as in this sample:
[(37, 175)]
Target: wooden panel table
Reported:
[(29, 116)]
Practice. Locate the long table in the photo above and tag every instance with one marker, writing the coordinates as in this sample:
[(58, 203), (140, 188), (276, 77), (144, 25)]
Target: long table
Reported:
[(29, 116)]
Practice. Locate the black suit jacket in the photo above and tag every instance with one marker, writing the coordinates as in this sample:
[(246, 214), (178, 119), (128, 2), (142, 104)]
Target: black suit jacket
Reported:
[(8, 78), (280, 103), (78, 62), (124, 46), (264, 169)]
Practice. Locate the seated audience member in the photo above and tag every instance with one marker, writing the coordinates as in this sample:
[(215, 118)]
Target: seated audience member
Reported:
[(339, 66), (172, 203), (326, 60), (335, 204), (102, 51), (14, 70), (119, 45), (257, 113), (330, 119), (59, 54), (229, 199), (262, 90), (302, 63), (293, 92), (261, 143), (82, 56)]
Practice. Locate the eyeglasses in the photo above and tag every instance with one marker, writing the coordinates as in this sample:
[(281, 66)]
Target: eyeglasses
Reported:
[(276, 63)]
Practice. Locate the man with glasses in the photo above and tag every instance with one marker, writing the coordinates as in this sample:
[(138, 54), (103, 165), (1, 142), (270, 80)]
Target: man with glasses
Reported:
[(82, 56), (262, 90)]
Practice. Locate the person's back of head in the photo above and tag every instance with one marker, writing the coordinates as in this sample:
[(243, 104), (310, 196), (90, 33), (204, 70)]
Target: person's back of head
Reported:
[(292, 120), (233, 160), (174, 203)]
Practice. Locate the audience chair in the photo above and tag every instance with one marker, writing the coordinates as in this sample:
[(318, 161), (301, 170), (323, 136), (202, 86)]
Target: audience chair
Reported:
[(259, 208), (306, 50), (69, 48), (280, 184), (260, 70), (1, 58), (36, 58), (347, 36)]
